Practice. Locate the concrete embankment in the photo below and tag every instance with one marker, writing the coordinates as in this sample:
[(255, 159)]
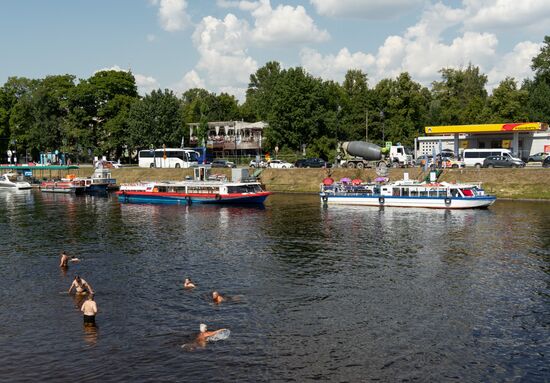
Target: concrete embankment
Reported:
[(526, 183)]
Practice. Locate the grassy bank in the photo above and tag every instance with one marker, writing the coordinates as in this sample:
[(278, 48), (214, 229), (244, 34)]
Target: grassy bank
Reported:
[(529, 183)]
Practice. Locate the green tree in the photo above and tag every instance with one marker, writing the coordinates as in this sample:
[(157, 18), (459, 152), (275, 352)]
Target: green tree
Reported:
[(155, 120), (539, 87), (355, 105), (260, 92), (460, 98), (402, 107), (508, 103)]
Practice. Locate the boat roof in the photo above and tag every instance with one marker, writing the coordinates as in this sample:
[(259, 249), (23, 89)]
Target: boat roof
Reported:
[(38, 167), (198, 183)]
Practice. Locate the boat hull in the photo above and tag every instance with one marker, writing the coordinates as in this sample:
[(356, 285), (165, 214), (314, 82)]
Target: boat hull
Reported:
[(417, 202), (62, 187), (189, 199)]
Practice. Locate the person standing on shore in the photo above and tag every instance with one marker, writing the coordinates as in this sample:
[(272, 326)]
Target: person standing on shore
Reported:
[(89, 309)]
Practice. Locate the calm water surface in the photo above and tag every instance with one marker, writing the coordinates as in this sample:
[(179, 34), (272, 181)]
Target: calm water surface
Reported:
[(328, 294)]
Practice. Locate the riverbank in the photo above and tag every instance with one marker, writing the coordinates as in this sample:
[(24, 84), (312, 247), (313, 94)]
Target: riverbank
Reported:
[(526, 183)]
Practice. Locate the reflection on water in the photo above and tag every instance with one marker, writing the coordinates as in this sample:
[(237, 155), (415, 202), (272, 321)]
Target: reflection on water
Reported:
[(336, 294)]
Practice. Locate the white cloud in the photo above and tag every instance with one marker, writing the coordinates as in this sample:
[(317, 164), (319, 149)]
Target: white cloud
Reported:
[(422, 52), (222, 48), (516, 63), (334, 67), (371, 9), (146, 84), (243, 5), (189, 81), (172, 14), (506, 13), (151, 38), (284, 24)]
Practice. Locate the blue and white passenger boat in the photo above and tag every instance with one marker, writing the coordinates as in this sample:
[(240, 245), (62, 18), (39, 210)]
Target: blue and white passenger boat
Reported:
[(407, 193), (204, 189)]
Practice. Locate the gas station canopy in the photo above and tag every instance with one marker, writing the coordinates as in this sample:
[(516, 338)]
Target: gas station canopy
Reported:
[(487, 128)]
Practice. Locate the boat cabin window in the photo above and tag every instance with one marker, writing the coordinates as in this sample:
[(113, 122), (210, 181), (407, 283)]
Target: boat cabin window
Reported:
[(467, 192), (243, 189)]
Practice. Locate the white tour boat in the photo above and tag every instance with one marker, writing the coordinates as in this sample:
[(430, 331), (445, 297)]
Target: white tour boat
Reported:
[(406, 193), (203, 189)]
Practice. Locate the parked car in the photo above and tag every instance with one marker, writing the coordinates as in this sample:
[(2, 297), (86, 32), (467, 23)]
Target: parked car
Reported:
[(538, 157), (219, 163), (502, 162), (546, 162), (257, 164), (310, 163), (279, 164)]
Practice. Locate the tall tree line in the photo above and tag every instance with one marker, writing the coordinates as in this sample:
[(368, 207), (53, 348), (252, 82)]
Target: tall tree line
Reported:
[(104, 115)]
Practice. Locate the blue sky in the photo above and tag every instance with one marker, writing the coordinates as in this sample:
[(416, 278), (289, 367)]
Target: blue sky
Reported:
[(217, 44)]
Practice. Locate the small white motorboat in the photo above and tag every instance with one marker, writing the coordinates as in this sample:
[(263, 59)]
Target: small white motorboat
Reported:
[(9, 180)]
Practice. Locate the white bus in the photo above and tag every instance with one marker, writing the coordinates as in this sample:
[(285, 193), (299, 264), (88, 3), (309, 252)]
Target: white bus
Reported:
[(168, 158), (475, 157)]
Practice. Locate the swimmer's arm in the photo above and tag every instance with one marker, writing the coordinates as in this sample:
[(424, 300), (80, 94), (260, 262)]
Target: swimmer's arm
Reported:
[(71, 288)]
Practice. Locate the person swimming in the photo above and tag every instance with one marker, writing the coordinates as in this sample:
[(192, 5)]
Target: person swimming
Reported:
[(203, 336), (81, 286), (217, 298), (188, 284)]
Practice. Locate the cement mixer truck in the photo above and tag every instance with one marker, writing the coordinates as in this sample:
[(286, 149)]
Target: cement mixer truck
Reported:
[(360, 154)]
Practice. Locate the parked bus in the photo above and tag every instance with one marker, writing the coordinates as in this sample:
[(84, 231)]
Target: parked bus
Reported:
[(168, 158), (475, 157)]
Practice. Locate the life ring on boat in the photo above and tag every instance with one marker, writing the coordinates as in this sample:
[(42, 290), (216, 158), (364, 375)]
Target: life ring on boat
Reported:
[(381, 200), (447, 201), (155, 190), (218, 197), (71, 176)]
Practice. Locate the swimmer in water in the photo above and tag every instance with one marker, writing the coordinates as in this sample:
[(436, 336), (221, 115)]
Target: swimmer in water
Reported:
[(81, 286), (203, 336), (217, 298), (188, 284), (64, 262)]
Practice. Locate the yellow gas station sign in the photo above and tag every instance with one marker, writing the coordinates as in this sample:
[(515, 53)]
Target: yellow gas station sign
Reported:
[(487, 128)]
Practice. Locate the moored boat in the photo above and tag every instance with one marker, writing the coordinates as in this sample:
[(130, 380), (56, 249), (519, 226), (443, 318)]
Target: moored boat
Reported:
[(203, 189), (10, 181), (406, 193), (100, 182), (63, 186)]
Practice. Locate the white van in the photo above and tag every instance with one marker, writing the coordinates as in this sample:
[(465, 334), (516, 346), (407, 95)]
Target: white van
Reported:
[(475, 157)]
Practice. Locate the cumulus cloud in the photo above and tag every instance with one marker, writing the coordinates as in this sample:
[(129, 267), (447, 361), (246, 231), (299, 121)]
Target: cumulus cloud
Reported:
[(422, 51), (146, 84), (284, 24), (506, 13), (172, 14), (222, 48), (516, 63), (372, 9), (335, 66), (243, 5)]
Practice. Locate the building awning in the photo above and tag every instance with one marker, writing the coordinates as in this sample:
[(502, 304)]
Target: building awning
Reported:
[(487, 128)]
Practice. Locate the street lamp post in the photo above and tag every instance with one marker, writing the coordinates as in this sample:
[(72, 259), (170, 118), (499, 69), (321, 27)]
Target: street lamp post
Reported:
[(383, 127)]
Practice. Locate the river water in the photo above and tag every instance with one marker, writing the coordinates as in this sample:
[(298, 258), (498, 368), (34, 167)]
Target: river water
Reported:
[(328, 294)]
